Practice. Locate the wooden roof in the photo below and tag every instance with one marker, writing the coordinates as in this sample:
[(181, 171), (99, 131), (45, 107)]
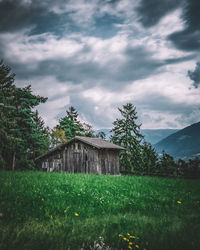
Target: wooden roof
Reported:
[(95, 142), (98, 143)]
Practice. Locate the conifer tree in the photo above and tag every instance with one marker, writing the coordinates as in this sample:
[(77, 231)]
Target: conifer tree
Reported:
[(149, 159), (8, 138), (126, 133), (72, 114), (167, 165), (21, 133), (71, 125), (40, 136)]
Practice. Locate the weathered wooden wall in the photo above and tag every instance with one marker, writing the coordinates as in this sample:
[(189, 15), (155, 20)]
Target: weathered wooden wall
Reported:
[(109, 161), (79, 157), (53, 162)]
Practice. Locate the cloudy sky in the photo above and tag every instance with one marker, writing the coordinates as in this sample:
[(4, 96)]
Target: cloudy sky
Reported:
[(100, 54)]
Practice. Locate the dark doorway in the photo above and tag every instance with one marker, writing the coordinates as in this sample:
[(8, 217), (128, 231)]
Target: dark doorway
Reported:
[(77, 162)]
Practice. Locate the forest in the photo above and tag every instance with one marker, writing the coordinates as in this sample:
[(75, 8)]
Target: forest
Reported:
[(24, 135)]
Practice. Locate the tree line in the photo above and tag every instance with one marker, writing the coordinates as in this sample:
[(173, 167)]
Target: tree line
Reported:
[(24, 136), (140, 157)]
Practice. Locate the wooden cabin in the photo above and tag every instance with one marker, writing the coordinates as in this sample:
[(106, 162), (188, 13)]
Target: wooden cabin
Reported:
[(83, 155)]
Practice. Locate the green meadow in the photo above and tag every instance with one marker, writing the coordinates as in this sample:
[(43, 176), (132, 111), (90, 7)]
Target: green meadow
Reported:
[(78, 211)]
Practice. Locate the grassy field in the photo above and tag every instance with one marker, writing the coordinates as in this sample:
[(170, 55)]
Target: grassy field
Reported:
[(77, 211)]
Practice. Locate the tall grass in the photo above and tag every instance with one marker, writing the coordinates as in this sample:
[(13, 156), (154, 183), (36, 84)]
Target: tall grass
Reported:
[(71, 211)]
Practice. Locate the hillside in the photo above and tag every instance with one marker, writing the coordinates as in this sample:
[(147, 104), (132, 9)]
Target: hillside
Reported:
[(151, 135), (183, 144), (80, 211)]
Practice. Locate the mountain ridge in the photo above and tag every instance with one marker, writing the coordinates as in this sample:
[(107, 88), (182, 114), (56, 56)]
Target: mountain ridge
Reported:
[(184, 143), (150, 135)]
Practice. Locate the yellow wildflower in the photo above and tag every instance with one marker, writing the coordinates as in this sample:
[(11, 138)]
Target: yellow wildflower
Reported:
[(179, 202), (130, 243), (128, 234), (124, 238), (129, 247), (136, 246), (133, 237), (76, 214), (120, 235)]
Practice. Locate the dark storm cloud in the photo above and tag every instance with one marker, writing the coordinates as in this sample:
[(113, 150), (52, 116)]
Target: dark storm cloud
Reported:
[(139, 64), (15, 14), (50, 16), (189, 38), (179, 59), (74, 49), (19, 14), (150, 12), (195, 75), (161, 103), (37, 14)]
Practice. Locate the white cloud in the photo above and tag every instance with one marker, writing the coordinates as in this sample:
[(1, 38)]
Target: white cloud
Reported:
[(24, 49), (81, 12), (50, 110), (160, 96)]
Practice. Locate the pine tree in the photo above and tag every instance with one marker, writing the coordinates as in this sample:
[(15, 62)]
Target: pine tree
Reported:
[(72, 114), (149, 159), (71, 125), (167, 164), (20, 135), (126, 133), (8, 139), (40, 136), (26, 125)]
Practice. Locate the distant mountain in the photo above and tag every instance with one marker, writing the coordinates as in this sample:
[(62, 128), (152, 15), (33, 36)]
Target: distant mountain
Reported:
[(183, 144), (150, 135), (155, 135), (106, 131)]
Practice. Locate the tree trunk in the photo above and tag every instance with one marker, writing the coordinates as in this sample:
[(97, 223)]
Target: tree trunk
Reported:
[(13, 162)]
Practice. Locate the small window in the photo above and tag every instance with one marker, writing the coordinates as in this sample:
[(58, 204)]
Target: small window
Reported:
[(76, 146)]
